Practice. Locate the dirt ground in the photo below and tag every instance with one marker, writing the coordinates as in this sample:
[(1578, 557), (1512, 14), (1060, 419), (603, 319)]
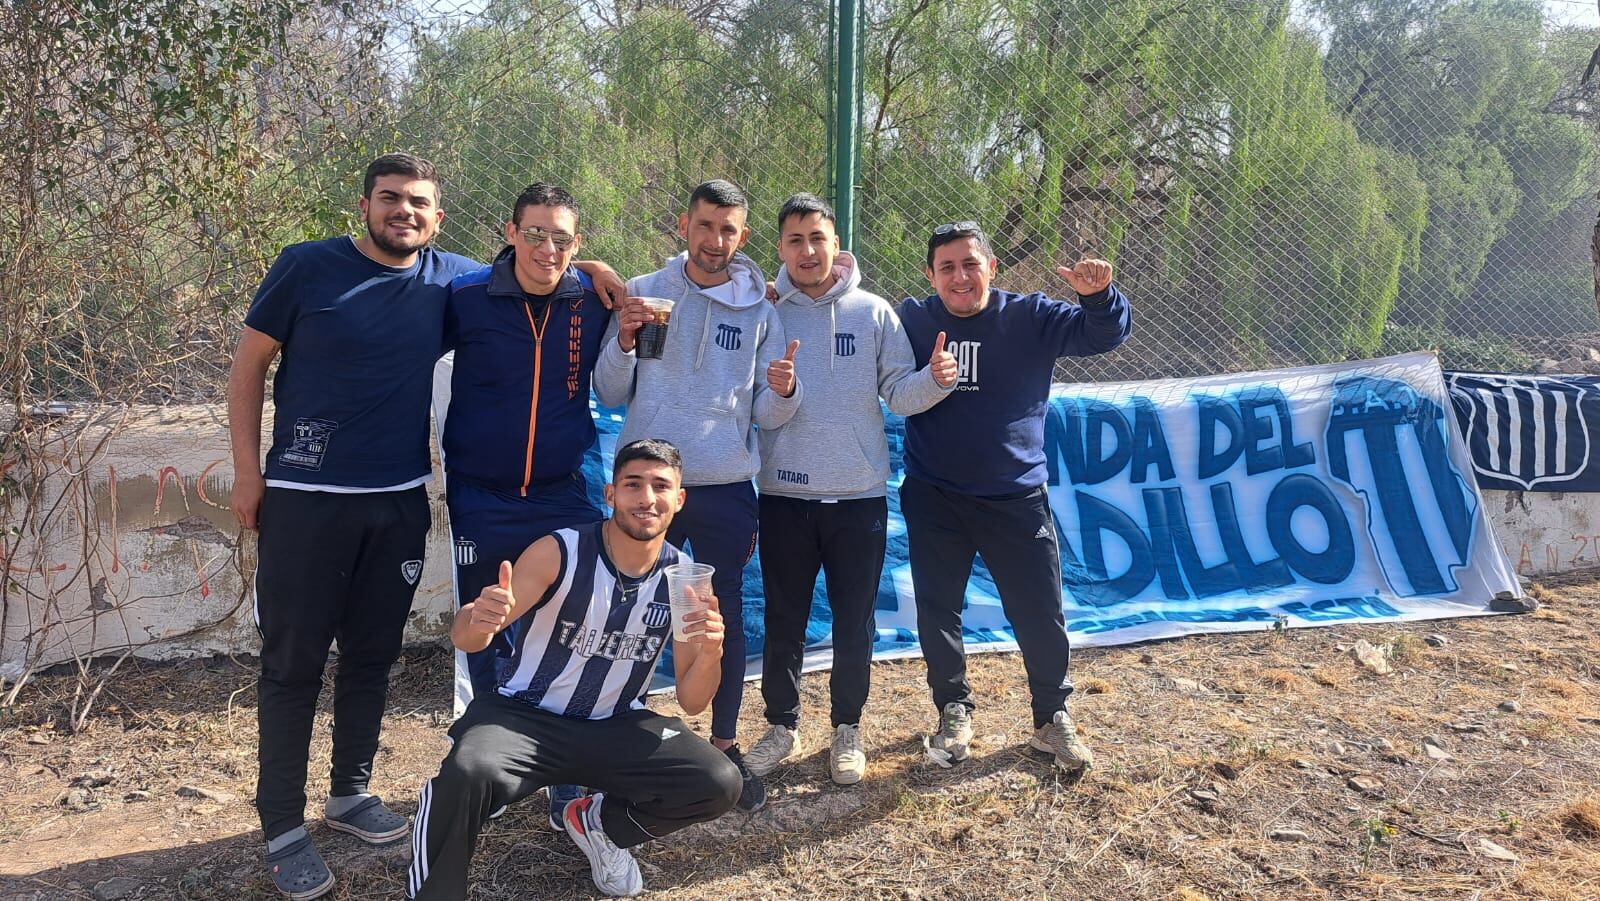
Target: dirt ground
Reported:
[(1257, 765)]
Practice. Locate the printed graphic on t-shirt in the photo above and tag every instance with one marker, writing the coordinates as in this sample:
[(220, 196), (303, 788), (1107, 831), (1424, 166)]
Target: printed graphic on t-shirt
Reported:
[(310, 443), (844, 344), (728, 336), (966, 354)]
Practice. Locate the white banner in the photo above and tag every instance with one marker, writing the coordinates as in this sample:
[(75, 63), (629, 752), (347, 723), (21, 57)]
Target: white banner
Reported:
[(1288, 498)]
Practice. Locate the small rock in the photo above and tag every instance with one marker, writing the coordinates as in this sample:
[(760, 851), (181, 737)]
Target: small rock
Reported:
[(40, 738), (1367, 785), (1510, 706), (1337, 748), (1371, 656), (1436, 640), (117, 887), (1547, 365), (1147, 658), (1226, 770), (1510, 667), (78, 799), (136, 796), (1492, 850), (92, 779), (1382, 744), (204, 794), (1434, 752), (1465, 727), (1288, 835), (1592, 354), (1189, 685), (1303, 764)]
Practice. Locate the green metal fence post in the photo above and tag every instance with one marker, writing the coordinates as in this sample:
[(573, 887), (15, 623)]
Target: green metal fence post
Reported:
[(846, 53)]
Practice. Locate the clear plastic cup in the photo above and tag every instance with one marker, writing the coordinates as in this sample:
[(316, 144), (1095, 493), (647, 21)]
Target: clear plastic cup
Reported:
[(652, 337), (688, 587)]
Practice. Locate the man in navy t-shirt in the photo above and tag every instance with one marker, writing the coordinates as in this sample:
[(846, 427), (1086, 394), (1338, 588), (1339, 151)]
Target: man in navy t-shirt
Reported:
[(341, 507), (975, 473)]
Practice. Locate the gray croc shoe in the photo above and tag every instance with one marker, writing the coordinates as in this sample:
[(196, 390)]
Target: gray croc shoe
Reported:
[(299, 871), (371, 821)]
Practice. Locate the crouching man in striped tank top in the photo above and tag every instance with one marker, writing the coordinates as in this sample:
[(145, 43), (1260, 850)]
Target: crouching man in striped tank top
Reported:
[(569, 707)]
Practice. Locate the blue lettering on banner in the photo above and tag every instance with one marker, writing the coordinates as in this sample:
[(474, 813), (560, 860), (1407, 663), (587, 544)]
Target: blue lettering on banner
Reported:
[(1313, 496)]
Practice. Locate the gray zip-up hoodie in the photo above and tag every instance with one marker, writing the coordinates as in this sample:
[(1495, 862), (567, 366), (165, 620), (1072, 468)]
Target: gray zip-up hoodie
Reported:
[(852, 350), (710, 384)]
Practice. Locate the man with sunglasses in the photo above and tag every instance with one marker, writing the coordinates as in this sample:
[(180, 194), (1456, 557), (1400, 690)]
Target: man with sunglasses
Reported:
[(975, 473), (525, 331)]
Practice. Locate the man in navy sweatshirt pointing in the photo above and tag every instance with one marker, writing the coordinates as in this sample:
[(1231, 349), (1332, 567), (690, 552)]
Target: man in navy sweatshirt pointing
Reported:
[(975, 473)]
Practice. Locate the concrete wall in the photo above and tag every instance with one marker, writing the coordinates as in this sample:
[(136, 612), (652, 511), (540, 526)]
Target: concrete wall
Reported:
[(150, 556)]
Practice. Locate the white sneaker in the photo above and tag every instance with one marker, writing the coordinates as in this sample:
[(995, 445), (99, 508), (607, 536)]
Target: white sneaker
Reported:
[(847, 763), (615, 871), (778, 744), (1059, 738), (951, 743)]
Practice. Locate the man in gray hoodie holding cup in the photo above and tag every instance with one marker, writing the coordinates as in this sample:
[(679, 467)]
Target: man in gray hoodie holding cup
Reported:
[(714, 362), (823, 479)]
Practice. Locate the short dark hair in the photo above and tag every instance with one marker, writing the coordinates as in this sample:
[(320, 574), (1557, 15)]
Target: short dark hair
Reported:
[(542, 194), (648, 449), (407, 164), (719, 192), (957, 231), (804, 204)]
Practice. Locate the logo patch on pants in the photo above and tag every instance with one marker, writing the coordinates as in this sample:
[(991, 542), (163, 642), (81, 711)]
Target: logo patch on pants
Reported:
[(411, 570)]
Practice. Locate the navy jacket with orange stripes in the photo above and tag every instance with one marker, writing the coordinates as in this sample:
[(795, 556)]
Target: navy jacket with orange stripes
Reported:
[(519, 396)]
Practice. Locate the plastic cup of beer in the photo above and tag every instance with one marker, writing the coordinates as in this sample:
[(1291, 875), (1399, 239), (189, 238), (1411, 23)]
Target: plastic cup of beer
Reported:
[(688, 587), (652, 337)]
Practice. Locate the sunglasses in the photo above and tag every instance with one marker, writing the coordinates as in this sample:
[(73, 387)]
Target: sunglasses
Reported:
[(965, 225), (559, 240)]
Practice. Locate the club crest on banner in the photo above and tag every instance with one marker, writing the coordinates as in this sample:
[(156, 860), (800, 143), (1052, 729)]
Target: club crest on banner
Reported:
[(1525, 432), (411, 570)]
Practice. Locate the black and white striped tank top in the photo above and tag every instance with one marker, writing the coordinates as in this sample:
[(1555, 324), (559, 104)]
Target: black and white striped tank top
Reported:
[(590, 645)]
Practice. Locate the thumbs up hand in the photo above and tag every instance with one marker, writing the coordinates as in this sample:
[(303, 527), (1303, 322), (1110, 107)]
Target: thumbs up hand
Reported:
[(780, 372), (494, 605), (942, 363), (1087, 276)]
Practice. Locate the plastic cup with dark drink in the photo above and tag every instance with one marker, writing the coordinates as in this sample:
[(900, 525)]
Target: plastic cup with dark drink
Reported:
[(652, 337)]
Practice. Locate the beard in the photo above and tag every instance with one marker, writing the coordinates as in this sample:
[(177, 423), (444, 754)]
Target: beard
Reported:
[(638, 531), (381, 240), (711, 264)]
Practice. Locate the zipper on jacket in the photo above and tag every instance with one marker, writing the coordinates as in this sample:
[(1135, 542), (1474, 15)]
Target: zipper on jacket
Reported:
[(533, 405)]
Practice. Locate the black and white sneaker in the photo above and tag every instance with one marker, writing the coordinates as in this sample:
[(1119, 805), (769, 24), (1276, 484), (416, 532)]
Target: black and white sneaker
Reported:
[(754, 793)]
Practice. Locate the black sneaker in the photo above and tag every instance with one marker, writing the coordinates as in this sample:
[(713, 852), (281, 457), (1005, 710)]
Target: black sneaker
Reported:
[(754, 793)]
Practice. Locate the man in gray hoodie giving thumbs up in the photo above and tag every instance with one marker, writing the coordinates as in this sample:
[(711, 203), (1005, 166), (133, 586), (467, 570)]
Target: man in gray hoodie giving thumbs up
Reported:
[(823, 477), (725, 364)]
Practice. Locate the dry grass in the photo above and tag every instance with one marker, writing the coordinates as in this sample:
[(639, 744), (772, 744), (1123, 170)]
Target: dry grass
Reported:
[(1189, 784)]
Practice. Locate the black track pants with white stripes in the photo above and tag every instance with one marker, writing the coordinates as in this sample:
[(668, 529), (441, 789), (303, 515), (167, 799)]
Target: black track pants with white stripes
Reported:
[(1016, 537), (657, 776)]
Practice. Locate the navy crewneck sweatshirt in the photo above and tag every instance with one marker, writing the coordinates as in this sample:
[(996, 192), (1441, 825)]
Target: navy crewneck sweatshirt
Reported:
[(987, 437)]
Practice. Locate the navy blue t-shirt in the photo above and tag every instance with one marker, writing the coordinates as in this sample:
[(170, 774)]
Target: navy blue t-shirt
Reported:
[(359, 343), (987, 437)]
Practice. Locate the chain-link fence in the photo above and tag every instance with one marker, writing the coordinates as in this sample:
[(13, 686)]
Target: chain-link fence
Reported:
[(1276, 182)]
